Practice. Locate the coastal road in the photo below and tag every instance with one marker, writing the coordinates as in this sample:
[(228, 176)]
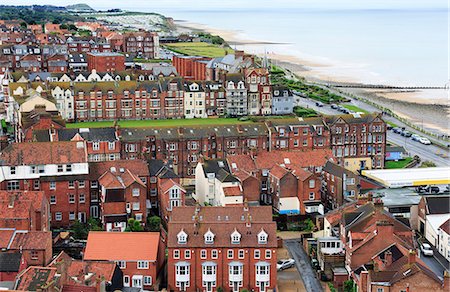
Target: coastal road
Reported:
[(426, 152), (312, 284)]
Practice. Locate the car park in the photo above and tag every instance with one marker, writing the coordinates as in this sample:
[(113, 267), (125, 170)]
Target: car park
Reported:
[(426, 249), (285, 264), (424, 141)]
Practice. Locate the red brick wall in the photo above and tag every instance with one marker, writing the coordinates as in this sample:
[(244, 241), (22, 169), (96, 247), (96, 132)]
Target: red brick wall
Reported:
[(106, 63), (131, 269)]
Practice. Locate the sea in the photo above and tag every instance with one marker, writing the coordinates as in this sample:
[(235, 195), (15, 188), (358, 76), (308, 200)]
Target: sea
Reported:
[(401, 45)]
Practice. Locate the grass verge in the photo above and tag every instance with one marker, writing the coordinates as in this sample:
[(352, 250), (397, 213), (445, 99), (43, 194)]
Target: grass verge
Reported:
[(354, 108), (398, 164), (199, 49)]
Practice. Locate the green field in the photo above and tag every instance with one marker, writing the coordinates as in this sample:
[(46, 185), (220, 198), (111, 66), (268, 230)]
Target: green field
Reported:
[(397, 164), (354, 108), (199, 49), (159, 123)]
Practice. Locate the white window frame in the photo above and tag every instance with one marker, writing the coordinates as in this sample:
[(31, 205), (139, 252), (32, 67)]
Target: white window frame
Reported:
[(142, 265)]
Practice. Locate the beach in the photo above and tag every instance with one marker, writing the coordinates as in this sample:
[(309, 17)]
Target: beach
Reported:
[(429, 109)]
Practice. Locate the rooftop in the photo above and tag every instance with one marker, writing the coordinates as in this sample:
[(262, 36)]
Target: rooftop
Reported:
[(397, 178)]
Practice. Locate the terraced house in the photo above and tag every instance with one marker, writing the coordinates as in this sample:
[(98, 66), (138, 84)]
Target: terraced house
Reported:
[(184, 146), (232, 248)]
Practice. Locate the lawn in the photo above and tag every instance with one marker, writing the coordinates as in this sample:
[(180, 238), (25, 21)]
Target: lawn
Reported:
[(199, 49), (397, 164), (354, 108), (159, 123), (392, 124), (304, 112)]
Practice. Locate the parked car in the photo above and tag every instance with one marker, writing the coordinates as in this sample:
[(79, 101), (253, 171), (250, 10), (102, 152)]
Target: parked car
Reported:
[(319, 104), (397, 130), (334, 106), (428, 190), (389, 127), (315, 264), (424, 141), (426, 249), (415, 137), (406, 133), (285, 264)]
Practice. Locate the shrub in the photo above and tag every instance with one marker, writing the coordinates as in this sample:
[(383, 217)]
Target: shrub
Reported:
[(154, 223)]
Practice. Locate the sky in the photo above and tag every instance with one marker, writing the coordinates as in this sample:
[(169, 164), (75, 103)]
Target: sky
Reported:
[(245, 4)]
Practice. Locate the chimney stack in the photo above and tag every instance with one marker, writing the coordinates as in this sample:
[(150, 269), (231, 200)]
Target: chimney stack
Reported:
[(411, 257), (387, 258), (364, 280)]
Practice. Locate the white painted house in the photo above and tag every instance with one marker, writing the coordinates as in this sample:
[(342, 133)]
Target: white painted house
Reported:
[(215, 185), (194, 100)]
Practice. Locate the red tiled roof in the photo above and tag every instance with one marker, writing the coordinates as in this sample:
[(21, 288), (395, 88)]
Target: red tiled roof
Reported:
[(167, 184), (5, 237), (118, 179), (138, 167), (446, 226), (303, 159), (114, 208), (222, 221), (38, 153), (232, 191), (37, 240), (127, 246), (78, 288), (242, 162), (35, 278)]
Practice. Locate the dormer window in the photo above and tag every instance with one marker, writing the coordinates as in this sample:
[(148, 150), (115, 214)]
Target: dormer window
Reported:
[(235, 237), (262, 237), (209, 237), (182, 237)]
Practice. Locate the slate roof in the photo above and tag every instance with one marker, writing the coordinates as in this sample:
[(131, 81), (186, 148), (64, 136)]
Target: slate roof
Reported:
[(220, 169), (10, 262), (89, 134), (446, 226), (136, 166), (437, 204)]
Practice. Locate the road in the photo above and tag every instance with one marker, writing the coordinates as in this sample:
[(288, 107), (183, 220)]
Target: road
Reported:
[(433, 264), (308, 275), (425, 152)]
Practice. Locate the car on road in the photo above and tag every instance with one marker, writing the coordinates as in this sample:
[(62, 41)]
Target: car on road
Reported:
[(428, 190), (389, 127), (426, 249), (285, 264), (397, 130), (424, 141), (334, 106), (406, 133), (319, 104), (415, 137)]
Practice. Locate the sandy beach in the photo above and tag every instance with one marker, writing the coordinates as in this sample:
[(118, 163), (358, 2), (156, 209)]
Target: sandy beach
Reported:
[(429, 109)]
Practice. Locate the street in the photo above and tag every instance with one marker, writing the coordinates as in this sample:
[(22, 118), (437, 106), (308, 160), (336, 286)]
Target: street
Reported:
[(308, 275), (425, 152), (434, 264)]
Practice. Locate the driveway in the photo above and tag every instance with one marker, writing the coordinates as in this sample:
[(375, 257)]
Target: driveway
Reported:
[(308, 275)]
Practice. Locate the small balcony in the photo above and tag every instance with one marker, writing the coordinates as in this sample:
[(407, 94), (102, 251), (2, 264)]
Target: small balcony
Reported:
[(262, 277), (236, 278), (209, 278), (182, 278)]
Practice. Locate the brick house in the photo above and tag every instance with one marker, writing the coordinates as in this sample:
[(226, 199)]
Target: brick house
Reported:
[(59, 169), (338, 183), (400, 270), (229, 247), (139, 255), (358, 141), (142, 43), (24, 210), (159, 171), (184, 146), (236, 93), (259, 91), (96, 169), (33, 277), (298, 134), (216, 102), (123, 195), (11, 263), (191, 67), (170, 195), (35, 246), (105, 62)]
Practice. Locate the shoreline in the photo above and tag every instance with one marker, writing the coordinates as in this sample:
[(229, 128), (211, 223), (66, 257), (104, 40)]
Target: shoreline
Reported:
[(413, 105)]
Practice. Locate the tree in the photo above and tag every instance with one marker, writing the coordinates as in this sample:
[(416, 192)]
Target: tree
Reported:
[(79, 230), (427, 163), (94, 225), (134, 226), (63, 26), (349, 286), (154, 223)]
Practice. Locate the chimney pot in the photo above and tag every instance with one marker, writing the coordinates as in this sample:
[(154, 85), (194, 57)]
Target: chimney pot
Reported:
[(411, 257)]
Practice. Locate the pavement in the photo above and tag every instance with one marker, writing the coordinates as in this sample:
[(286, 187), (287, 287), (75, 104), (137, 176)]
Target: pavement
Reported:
[(308, 275), (426, 152)]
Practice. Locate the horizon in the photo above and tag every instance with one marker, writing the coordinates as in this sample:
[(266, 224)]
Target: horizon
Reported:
[(249, 4)]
